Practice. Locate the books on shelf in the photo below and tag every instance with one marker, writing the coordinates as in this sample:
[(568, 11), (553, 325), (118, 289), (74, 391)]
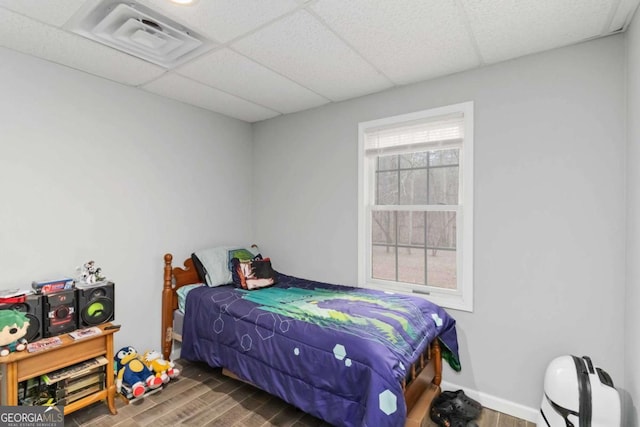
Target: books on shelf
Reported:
[(74, 384), (43, 390), (85, 333), (76, 370), (84, 392), (44, 344)]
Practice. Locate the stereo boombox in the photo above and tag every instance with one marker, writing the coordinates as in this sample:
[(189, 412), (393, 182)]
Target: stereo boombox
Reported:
[(32, 308), (65, 311)]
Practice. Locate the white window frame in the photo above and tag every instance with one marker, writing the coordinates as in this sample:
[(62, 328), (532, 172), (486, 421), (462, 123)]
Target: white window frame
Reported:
[(462, 297)]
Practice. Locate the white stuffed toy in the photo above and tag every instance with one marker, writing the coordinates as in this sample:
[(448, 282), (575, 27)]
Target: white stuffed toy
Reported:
[(90, 273)]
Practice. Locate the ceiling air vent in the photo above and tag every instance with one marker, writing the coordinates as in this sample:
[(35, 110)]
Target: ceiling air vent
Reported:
[(139, 31)]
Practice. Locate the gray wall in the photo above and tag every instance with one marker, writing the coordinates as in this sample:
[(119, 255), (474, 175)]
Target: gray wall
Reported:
[(90, 169), (632, 314), (549, 207)]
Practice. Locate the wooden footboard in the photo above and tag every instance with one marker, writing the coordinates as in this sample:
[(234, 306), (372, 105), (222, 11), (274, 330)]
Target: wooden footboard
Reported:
[(420, 387), (424, 386)]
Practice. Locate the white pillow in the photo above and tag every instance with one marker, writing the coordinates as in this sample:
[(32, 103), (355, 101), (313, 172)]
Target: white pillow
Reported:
[(215, 262)]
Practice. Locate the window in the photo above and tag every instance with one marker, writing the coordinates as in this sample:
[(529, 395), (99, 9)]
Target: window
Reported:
[(416, 204)]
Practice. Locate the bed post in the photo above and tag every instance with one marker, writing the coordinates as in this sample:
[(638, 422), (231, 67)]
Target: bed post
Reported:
[(437, 362), (167, 308)]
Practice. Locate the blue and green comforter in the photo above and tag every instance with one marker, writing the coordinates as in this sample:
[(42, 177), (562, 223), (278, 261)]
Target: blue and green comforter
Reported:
[(336, 352)]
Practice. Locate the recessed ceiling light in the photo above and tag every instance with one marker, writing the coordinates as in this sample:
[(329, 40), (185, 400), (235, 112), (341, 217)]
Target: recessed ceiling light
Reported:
[(184, 2)]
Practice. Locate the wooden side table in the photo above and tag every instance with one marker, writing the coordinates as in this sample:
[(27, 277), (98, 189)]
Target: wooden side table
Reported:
[(20, 366)]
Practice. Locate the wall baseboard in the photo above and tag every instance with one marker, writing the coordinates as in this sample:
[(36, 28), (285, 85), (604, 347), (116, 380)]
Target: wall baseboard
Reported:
[(496, 403)]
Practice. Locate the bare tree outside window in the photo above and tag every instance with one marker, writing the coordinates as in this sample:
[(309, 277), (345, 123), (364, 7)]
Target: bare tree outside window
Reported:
[(416, 246)]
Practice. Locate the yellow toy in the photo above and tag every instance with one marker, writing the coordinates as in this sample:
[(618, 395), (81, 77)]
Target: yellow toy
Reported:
[(165, 370)]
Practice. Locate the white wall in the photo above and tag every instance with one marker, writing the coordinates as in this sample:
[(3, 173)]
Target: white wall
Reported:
[(549, 208), (632, 314), (91, 169)]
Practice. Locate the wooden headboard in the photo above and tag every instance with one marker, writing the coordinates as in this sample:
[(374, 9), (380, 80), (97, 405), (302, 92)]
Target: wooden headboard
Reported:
[(174, 279)]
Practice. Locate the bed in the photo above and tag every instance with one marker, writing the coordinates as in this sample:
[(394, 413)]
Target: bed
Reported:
[(350, 356)]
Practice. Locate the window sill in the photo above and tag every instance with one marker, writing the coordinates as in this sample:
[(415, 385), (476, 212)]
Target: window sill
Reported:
[(443, 299)]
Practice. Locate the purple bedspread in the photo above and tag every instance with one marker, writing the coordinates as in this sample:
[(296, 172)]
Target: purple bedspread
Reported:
[(336, 352)]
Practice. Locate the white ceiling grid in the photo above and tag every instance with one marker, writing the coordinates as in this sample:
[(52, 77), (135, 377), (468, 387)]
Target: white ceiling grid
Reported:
[(505, 29), (55, 45), (230, 70), (191, 92), (301, 48), (55, 13), (273, 57), (420, 40)]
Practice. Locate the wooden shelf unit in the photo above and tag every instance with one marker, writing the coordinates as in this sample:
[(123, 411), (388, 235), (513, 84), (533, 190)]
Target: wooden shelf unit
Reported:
[(21, 366)]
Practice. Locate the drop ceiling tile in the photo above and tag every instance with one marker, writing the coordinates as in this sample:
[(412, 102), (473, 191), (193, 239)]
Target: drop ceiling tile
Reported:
[(224, 20), (43, 41), (303, 49), (194, 93), (240, 76), (506, 29), (420, 40), (52, 12)]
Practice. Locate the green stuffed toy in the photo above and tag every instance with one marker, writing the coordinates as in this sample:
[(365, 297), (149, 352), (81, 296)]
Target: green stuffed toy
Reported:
[(13, 327)]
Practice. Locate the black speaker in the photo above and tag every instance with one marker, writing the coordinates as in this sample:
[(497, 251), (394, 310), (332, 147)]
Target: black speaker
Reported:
[(32, 307), (60, 313), (96, 305)]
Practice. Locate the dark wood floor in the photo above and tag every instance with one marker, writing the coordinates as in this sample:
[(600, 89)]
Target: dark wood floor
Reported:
[(202, 396)]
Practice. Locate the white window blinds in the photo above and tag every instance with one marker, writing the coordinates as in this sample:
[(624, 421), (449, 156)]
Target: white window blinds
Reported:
[(418, 135)]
